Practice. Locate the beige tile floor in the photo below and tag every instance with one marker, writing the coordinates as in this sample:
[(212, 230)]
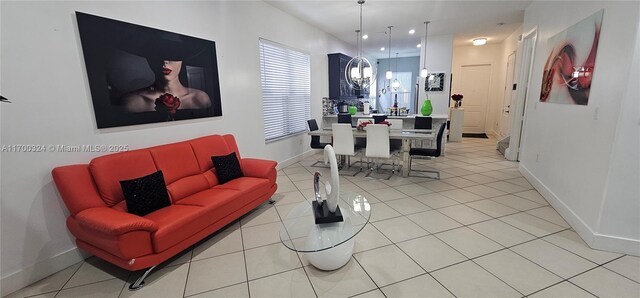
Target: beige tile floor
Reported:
[(481, 231)]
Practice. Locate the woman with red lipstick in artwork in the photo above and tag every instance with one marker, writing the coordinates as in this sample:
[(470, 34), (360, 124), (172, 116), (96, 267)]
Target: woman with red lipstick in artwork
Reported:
[(144, 100), (167, 93)]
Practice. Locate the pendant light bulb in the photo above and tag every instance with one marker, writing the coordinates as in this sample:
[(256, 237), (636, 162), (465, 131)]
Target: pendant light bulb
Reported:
[(395, 84), (389, 73), (424, 72)]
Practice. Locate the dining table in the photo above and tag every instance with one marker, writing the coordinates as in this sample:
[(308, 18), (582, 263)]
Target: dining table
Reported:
[(406, 135)]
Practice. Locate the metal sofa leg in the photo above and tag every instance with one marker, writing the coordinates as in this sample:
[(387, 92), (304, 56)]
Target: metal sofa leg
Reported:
[(139, 283), (271, 201)]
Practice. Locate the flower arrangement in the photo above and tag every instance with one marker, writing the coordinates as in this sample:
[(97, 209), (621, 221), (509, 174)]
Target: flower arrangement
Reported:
[(169, 104), (363, 124), (458, 99)]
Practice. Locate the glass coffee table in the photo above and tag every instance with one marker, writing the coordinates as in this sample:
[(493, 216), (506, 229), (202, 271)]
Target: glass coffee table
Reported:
[(327, 246)]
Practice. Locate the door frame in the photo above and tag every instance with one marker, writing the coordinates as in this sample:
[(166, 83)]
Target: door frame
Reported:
[(508, 94), (518, 119)]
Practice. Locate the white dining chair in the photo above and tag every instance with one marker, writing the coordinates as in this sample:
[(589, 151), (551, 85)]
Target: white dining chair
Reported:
[(396, 125), (378, 147), (343, 143)]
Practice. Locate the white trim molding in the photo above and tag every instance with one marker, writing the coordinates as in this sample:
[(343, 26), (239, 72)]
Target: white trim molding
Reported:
[(28, 275), (591, 237)]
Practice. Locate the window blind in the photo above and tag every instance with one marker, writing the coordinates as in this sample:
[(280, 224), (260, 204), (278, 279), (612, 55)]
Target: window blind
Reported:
[(286, 90)]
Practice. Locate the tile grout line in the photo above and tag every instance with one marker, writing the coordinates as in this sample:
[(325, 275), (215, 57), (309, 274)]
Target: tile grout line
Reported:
[(244, 257), (297, 254), (186, 280), (68, 279), (406, 254)]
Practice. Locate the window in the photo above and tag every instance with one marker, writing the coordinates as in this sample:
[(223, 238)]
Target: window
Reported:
[(404, 93), (286, 90)]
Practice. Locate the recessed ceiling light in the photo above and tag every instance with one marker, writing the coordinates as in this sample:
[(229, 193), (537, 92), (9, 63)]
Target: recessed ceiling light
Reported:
[(412, 31), (479, 41), (365, 36), (419, 45), (382, 49)]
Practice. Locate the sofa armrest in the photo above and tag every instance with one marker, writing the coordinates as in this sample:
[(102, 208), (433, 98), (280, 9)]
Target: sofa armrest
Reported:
[(259, 168), (77, 188), (113, 222)]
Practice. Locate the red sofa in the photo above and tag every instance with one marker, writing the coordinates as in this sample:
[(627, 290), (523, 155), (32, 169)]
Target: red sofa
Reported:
[(199, 204)]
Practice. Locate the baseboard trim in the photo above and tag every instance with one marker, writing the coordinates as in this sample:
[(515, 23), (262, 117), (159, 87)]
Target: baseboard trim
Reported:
[(617, 244), (287, 162), (22, 278), (593, 239)]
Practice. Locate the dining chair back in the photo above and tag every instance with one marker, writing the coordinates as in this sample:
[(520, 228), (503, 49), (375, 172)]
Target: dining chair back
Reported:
[(343, 144), (315, 141), (423, 122), (377, 141), (344, 118), (378, 147), (343, 139), (379, 118), (428, 152)]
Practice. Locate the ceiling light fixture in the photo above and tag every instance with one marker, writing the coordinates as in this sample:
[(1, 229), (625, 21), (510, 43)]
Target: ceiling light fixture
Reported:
[(382, 49), (479, 41), (389, 74), (412, 31), (365, 36), (359, 72), (424, 72), (419, 45)]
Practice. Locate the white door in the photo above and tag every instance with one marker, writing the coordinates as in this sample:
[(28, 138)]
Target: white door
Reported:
[(474, 85), (509, 94)]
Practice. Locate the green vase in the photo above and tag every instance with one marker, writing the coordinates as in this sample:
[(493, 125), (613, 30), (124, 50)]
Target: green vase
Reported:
[(427, 108), (353, 110)]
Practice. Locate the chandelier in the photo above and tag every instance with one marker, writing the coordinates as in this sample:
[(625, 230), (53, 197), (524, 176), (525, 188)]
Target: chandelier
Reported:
[(359, 72)]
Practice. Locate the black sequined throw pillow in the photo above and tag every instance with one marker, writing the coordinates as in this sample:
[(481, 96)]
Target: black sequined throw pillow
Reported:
[(145, 194), (227, 167)]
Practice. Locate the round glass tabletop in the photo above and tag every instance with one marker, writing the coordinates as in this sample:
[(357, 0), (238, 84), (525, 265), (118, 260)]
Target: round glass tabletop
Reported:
[(300, 232)]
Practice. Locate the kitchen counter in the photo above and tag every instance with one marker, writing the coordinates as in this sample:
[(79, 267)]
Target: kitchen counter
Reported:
[(410, 116)]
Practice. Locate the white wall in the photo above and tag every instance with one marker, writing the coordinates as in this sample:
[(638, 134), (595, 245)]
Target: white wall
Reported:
[(490, 54), (620, 213), (43, 73), (570, 153), (439, 51)]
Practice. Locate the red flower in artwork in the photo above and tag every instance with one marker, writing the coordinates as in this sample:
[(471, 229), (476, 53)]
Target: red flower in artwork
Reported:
[(169, 104), (385, 122)]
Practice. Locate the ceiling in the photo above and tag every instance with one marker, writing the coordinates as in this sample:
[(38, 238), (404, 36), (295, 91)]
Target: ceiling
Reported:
[(464, 19)]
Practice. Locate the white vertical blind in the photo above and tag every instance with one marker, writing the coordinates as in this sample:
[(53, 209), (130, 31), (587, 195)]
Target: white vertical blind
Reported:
[(286, 90)]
